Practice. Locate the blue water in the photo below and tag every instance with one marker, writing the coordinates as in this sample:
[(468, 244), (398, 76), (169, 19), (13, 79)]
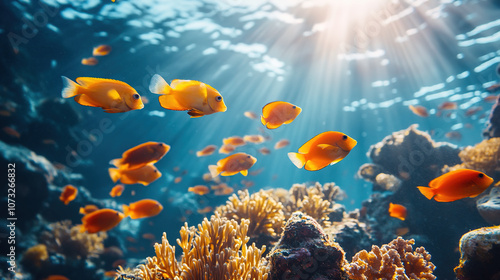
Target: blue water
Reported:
[(351, 67)]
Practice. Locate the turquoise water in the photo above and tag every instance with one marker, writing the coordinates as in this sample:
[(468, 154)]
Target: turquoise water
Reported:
[(351, 67)]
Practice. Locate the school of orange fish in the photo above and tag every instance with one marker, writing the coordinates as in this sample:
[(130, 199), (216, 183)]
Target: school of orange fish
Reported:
[(136, 166)]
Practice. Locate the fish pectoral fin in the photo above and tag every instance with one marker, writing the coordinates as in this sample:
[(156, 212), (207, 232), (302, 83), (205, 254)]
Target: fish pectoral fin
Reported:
[(195, 113), (244, 172), (427, 192), (84, 100), (327, 147), (114, 95), (169, 102)]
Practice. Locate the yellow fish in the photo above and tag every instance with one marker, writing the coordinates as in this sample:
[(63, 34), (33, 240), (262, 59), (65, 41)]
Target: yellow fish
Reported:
[(111, 95), (198, 98), (324, 149)]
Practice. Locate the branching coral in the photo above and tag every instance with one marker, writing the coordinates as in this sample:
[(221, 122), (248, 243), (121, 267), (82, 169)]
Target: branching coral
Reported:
[(315, 201), (484, 156), (215, 250), (263, 211), (396, 260), (70, 242)]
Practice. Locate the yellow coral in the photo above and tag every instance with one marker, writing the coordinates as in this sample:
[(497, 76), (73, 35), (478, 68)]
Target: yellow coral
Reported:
[(313, 201), (263, 211), (484, 156), (69, 241), (217, 249), (35, 255), (396, 260)]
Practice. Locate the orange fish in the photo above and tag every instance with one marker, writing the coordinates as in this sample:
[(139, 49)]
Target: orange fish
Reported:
[(239, 162), (234, 141), (5, 113), (101, 50), (402, 231), (226, 149), (453, 135), (141, 155), (264, 151), (473, 110), (205, 210), (111, 95), (256, 139), (207, 177), (101, 220), (11, 131), (198, 98), (250, 115), (142, 209), (88, 209), (256, 172), (208, 150), (224, 191), (56, 277), (493, 88), (456, 185), (490, 98), (447, 105), (91, 61), (418, 110), (117, 190), (199, 189), (68, 194), (322, 150), (277, 113), (219, 186), (148, 236), (397, 211), (281, 144), (111, 273), (177, 180), (144, 175)]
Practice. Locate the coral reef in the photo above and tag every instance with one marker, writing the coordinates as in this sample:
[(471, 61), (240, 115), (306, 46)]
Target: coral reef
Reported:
[(35, 256), (410, 152), (396, 260), (489, 206), (484, 156), (217, 249), (305, 252), (68, 241), (479, 254), (261, 209), (493, 128)]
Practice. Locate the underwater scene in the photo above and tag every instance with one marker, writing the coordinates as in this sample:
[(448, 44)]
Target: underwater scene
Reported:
[(238, 139)]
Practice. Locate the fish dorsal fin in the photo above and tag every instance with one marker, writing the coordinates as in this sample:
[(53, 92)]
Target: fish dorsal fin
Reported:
[(87, 81), (266, 110), (182, 85)]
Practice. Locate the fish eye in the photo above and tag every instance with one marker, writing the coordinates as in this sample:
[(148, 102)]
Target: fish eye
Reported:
[(248, 156), (218, 98), (293, 107), (136, 96), (481, 175), (344, 137)]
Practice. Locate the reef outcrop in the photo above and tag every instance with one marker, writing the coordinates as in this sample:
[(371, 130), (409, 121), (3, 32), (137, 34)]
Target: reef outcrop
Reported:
[(305, 252), (479, 255), (489, 206), (493, 128)]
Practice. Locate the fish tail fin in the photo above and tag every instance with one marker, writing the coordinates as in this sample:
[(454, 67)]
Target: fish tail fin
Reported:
[(116, 162), (126, 210), (114, 173), (159, 86), (70, 88), (262, 120), (297, 159), (427, 192), (214, 170)]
